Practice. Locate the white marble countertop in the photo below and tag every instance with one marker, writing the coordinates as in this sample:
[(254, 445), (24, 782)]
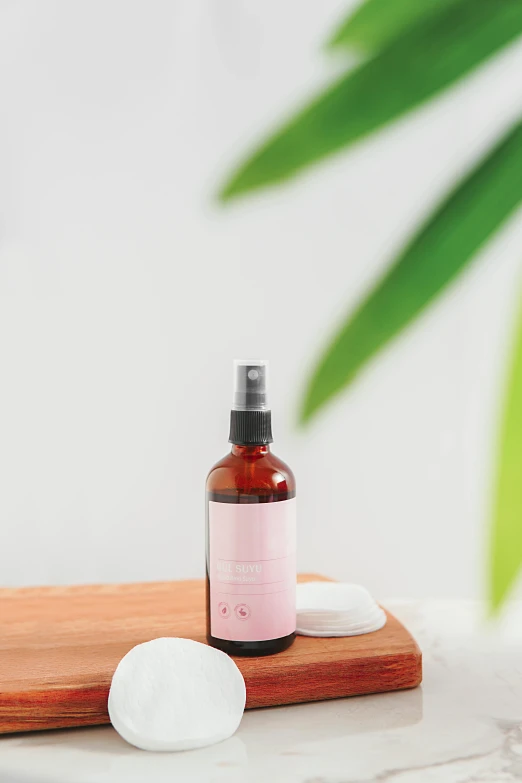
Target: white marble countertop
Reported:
[(463, 725)]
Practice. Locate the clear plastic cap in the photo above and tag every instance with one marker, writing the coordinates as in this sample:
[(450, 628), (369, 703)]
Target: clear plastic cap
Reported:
[(250, 385)]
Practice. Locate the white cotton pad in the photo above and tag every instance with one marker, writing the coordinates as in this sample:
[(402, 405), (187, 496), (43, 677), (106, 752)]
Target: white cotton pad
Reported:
[(340, 629), (347, 623), (336, 609), (176, 694), (345, 632), (340, 617), (332, 596)]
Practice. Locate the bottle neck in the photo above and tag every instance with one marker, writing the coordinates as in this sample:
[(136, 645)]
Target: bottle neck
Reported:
[(250, 451), (250, 428)]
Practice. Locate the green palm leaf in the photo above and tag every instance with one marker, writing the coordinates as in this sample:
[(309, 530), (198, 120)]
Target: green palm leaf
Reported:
[(506, 550), (376, 22), (412, 68), (436, 255)]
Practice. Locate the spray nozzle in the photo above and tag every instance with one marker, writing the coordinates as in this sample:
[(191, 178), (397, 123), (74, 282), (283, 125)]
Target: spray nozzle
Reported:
[(250, 385)]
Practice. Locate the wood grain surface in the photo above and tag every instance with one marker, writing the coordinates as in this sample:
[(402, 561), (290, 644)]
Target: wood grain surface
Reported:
[(59, 647)]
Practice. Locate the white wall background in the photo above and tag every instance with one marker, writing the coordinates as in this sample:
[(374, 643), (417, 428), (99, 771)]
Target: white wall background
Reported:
[(125, 293)]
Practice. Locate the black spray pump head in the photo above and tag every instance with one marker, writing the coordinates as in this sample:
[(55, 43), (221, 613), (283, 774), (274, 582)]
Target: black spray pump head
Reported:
[(250, 418), (250, 385)]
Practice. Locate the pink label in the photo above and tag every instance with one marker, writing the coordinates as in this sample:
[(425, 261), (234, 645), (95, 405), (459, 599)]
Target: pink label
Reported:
[(252, 570)]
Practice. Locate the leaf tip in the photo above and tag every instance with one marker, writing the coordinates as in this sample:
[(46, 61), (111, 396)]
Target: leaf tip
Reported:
[(495, 602), (310, 403), (346, 38), (500, 586), (226, 192), (333, 42), (305, 414)]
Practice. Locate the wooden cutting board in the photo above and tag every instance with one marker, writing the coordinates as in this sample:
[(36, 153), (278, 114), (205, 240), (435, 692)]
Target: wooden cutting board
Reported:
[(59, 647)]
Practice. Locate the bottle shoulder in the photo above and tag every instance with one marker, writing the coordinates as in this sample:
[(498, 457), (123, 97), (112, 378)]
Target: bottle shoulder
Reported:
[(260, 474)]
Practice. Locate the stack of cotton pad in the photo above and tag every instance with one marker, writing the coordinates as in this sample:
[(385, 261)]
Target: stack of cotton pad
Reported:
[(336, 609)]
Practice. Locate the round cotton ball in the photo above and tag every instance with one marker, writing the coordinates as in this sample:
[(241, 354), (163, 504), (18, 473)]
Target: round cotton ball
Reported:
[(176, 694)]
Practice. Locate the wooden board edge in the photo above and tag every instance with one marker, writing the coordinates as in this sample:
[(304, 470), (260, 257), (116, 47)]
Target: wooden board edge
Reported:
[(392, 672), (54, 710)]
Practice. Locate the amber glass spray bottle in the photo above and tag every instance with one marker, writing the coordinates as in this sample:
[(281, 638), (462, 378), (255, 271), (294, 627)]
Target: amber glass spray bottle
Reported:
[(251, 530)]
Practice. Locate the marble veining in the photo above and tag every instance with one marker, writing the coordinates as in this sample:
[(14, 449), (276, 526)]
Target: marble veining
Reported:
[(464, 725)]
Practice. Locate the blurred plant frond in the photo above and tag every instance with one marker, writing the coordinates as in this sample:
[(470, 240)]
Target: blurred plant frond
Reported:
[(442, 248), (413, 67), (506, 541), (414, 49), (376, 22)]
